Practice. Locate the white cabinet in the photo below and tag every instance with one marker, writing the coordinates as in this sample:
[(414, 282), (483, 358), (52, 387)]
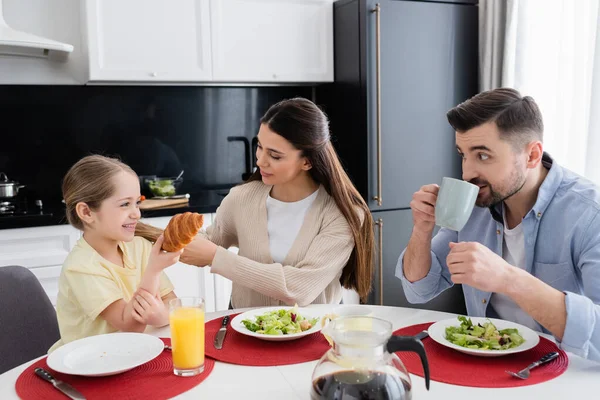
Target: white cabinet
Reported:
[(272, 40), (209, 41), (37, 247), (166, 42), (148, 40), (41, 249)]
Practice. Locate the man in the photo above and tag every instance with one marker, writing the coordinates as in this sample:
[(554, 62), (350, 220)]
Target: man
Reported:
[(530, 252)]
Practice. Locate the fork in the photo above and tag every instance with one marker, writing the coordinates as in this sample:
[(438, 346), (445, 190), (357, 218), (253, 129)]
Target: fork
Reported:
[(524, 373)]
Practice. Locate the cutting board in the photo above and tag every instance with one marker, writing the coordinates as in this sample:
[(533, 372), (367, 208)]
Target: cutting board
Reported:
[(152, 204)]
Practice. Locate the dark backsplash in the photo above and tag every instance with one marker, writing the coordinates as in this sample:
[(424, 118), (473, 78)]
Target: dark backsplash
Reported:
[(157, 130)]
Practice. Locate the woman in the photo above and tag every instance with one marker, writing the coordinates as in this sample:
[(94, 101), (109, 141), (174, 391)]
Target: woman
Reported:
[(302, 229)]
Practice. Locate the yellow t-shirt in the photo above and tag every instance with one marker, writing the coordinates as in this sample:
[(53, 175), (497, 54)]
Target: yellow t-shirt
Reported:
[(89, 283)]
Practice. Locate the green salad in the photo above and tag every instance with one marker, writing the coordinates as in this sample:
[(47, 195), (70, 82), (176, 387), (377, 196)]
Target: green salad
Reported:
[(163, 188), (483, 337), (280, 322)]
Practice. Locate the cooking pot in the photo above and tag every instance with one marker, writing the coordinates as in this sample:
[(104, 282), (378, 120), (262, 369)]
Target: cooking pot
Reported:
[(8, 188)]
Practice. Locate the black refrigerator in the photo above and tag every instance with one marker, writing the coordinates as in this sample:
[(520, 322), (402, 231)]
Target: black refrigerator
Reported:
[(399, 67)]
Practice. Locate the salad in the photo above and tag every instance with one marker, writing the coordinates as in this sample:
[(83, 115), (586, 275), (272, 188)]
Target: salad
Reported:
[(163, 188), (483, 337), (280, 322)]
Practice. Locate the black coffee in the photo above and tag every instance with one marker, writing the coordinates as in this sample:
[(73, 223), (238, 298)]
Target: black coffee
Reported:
[(353, 385)]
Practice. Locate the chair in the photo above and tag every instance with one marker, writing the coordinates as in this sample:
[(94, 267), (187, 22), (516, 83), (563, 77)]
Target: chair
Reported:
[(28, 324)]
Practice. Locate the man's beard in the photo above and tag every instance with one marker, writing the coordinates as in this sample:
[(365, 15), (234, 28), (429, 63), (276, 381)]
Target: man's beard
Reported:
[(515, 183)]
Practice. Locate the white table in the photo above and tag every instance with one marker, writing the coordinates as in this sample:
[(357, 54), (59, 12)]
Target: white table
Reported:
[(294, 381)]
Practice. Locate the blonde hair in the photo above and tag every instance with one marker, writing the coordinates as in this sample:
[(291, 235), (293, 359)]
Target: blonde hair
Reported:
[(89, 181)]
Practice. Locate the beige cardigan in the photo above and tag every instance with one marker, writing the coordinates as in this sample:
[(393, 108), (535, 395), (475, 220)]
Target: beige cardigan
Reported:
[(311, 270)]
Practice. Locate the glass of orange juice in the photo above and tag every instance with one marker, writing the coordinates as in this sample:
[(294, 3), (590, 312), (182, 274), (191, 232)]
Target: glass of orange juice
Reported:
[(186, 317)]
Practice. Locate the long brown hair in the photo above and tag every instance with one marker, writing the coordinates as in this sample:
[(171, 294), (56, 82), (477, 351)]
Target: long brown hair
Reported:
[(89, 181), (306, 127)]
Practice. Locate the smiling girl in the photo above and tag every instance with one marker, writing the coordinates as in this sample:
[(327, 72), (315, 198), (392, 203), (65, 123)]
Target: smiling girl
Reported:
[(111, 280)]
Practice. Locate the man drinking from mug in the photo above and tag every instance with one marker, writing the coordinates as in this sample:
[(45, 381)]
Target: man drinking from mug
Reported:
[(530, 250)]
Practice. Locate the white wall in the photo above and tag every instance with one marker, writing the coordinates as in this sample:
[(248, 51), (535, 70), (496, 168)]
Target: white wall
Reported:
[(55, 19)]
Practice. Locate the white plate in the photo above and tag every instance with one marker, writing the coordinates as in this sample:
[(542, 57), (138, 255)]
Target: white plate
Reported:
[(307, 313), (437, 332), (107, 354)]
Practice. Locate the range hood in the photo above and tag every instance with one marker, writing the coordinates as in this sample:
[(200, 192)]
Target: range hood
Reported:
[(17, 43)]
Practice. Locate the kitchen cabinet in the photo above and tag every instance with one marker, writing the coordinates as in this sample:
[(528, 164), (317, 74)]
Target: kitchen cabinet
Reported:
[(37, 247), (41, 249), (272, 40), (184, 42), (209, 41), (148, 40)]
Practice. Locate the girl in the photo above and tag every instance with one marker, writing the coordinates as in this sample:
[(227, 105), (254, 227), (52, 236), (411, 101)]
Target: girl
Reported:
[(110, 281), (302, 229)]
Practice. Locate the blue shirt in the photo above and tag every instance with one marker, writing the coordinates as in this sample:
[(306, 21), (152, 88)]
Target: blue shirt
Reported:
[(562, 246)]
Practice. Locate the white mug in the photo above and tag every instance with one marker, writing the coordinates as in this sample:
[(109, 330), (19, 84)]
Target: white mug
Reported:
[(455, 202)]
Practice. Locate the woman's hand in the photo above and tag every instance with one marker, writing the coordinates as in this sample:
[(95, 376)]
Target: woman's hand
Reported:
[(159, 259), (199, 252), (149, 310)]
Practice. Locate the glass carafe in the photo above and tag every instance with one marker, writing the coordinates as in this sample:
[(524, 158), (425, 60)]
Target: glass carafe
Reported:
[(361, 365)]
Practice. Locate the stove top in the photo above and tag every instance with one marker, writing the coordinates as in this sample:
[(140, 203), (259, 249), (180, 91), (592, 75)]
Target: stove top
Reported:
[(20, 207)]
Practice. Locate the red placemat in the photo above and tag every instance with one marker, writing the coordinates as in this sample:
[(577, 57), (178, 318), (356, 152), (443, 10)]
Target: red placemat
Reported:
[(248, 350), (456, 368), (153, 380)]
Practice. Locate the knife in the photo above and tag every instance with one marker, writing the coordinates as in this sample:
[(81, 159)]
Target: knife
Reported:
[(421, 335), (60, 385), (221, 334)]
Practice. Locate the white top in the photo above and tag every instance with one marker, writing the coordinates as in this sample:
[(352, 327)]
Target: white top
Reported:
[(513, 252), (294, 381), (283, 224)]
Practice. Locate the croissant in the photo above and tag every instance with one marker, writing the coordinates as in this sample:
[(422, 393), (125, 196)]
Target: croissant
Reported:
[(181, 230)]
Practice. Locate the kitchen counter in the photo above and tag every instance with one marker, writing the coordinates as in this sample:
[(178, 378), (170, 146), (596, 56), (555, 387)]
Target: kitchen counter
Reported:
[(203, 203)]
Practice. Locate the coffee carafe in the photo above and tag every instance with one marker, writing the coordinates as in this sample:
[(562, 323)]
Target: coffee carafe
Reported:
[(361, 363)]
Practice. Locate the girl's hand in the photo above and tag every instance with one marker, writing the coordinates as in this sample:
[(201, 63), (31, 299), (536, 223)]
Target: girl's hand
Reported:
[(159, 259), (199, 252), (148, 309)]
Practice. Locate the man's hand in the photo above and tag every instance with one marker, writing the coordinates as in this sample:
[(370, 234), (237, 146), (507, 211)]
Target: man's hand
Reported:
[(149, 310), (417, 259), (423, 209), (473, 264)]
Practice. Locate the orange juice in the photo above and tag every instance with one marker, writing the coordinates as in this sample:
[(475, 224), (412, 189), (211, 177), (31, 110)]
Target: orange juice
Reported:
[(187, 340)]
